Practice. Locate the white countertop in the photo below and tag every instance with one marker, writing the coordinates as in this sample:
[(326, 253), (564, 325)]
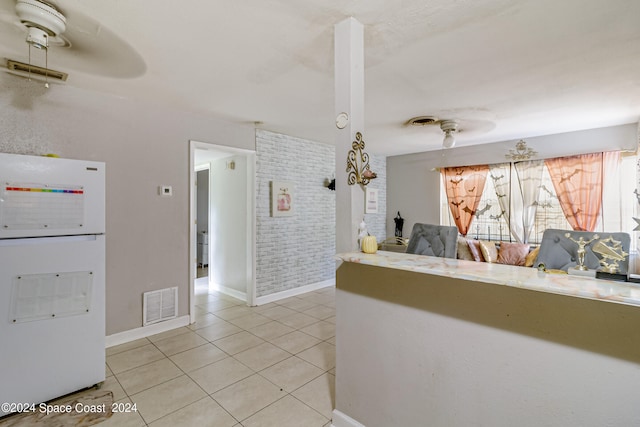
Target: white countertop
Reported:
[(506, 275)]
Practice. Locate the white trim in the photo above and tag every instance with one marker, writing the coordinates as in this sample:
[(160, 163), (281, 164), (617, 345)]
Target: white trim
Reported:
[(145, 331), (193, 259), (251, 228), (229, 291), (340, 419), (293, 292)]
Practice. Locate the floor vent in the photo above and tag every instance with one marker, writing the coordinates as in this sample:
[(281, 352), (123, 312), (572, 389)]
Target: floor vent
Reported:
[(159, 305)]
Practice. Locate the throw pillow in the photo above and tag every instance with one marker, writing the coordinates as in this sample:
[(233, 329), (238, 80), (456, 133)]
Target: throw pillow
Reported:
[(489, 251), (513, 253), (531, 257), (463, 250), (474, 248)]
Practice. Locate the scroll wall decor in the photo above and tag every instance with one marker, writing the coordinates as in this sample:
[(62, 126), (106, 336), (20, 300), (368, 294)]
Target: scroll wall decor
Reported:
[(358, 163)]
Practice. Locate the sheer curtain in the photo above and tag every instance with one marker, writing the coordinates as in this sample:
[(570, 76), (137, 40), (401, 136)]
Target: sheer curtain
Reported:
[(612, 204), (517, 195), (529, 179), (501, 175), (578, 184), (464, 186)]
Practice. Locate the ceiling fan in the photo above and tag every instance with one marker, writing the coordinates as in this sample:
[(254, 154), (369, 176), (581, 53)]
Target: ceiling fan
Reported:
[(42, 19), (75, 40), (446, 129)]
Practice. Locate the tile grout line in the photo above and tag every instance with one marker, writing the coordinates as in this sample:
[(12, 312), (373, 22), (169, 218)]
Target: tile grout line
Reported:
[(228, 355)]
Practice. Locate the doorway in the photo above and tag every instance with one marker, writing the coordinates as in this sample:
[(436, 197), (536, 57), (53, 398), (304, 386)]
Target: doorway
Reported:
[(229, 240)]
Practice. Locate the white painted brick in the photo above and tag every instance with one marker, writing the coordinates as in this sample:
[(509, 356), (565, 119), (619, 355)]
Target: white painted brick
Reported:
[(299, 250)]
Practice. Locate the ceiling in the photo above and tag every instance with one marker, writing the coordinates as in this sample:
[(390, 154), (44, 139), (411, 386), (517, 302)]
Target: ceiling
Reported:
[(505, 69)]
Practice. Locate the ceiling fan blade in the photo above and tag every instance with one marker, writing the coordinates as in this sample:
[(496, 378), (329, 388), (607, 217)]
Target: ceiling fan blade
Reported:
[(86, 45), (103, 54), (97, 50)]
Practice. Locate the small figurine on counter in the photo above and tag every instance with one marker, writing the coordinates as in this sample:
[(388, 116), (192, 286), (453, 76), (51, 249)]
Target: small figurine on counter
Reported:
[(581, 249), (362, 233), (399, 223)]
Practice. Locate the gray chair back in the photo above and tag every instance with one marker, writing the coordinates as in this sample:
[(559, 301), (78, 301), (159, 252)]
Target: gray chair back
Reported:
[(560, 253), (433, 240)]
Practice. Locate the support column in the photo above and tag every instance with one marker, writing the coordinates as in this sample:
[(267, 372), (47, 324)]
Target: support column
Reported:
[(349, 99)]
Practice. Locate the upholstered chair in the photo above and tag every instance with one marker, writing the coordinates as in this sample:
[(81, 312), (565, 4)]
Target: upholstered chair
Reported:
[(433, 240), (561, 253)]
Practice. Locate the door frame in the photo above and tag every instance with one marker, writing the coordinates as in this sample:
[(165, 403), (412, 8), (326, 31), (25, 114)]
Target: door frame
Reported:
[(250, 220), (197, 169)]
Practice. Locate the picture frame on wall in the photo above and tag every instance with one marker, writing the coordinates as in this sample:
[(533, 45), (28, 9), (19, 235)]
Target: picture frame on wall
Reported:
[(371, 200), (282, 200)]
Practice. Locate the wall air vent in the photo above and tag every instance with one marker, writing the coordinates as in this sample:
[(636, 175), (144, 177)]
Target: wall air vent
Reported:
[(24, 69), (159, 305)]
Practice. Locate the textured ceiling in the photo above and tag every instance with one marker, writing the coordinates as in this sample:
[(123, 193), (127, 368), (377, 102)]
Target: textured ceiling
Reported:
[(506, 69)]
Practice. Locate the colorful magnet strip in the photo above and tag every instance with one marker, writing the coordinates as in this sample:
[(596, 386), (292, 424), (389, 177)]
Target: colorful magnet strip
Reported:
[(45, 190)]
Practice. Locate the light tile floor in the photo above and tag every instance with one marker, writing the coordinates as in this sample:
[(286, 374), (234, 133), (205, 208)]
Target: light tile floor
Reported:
[(272, 365)]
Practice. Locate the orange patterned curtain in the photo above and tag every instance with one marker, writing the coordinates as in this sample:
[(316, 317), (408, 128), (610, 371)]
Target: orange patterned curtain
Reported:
[(464, 186), (578, 184)]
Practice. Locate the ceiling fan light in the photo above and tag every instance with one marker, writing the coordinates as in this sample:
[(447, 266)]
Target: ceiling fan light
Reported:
[(449, 140), (449, 127), (38, 38)]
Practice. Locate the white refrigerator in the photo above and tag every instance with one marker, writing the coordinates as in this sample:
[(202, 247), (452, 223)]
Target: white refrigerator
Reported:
[(52, 277)]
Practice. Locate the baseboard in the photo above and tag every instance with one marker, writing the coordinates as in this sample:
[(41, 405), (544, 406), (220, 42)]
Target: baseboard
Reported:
[(295, 291), (229, 291), (145, 331), (340, 419)]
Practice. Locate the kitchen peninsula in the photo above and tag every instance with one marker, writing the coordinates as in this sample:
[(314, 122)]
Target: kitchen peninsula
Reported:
[(425, 341)]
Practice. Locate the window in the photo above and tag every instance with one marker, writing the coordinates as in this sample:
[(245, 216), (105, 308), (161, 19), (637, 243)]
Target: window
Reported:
[(619, 207), (549, 213)]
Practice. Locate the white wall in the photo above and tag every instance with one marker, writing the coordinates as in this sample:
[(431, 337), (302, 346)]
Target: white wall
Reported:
[(377, 222), (414, 191), (144, 146), (228, 224), (414, 185), (420, 350)]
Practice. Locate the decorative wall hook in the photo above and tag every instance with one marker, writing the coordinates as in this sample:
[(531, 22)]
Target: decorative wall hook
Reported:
[(358, 163)]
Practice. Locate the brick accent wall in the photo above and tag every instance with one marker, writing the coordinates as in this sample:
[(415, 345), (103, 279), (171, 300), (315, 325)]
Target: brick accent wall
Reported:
[(297, 250)]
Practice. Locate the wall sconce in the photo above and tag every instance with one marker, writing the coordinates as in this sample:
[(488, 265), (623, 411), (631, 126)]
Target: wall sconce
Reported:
[(522, 152), (330, 184), (358, 163)]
